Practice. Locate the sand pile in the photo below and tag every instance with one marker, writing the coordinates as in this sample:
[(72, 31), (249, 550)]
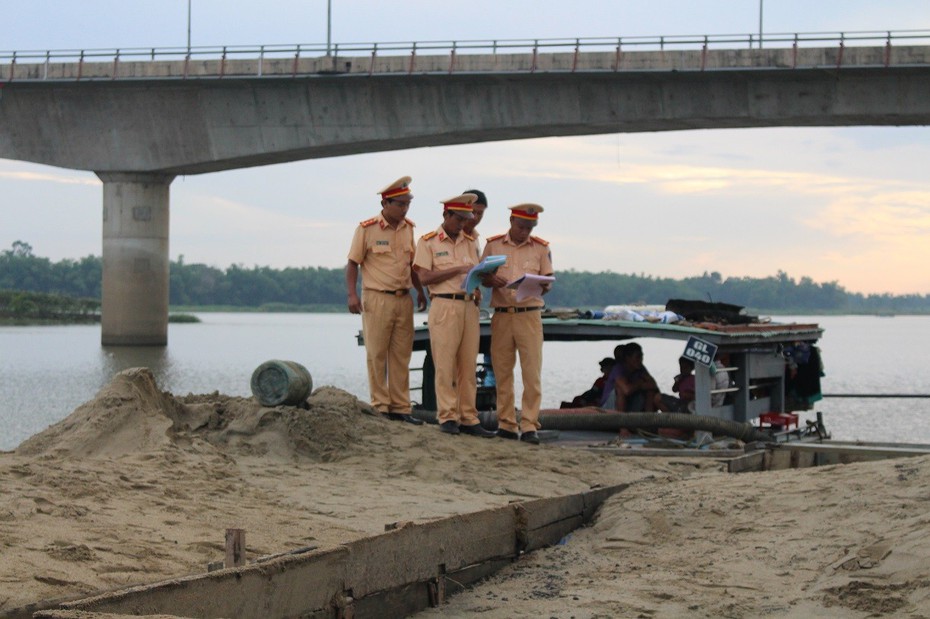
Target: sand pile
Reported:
[(139, 485), (131, 415), (838, 541), (128, 415), (325, 431)]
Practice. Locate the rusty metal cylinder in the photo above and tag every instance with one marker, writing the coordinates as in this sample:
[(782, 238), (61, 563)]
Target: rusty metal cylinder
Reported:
[(279, 382)]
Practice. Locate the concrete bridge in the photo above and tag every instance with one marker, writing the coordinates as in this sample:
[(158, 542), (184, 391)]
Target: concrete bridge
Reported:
[(137, 123)]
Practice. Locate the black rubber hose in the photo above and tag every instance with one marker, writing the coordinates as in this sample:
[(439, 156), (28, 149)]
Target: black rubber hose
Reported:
[(612, 421)]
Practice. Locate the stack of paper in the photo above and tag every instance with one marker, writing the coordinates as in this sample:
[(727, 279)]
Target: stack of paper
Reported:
[(488, 264), (530, 285)]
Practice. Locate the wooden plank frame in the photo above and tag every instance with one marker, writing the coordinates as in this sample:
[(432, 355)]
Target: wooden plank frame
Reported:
[(393, 574)]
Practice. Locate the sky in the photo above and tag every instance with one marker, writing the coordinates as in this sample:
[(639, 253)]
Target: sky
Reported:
[(846, 205)]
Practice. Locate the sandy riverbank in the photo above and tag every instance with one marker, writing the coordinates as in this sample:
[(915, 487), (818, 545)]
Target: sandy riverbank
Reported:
[(139, 485)]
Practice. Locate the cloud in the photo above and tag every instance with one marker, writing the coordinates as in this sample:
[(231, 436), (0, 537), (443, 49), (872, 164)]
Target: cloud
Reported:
[(238, 217), (893, 217), (49, 178), (220, 231), (582, 162), (810, 202)]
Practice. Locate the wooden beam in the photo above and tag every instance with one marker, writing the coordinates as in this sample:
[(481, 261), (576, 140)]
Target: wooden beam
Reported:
[(393, 574), (235, 548)]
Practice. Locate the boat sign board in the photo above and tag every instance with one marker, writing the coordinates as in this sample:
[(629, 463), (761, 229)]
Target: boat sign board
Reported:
[(699, 351)]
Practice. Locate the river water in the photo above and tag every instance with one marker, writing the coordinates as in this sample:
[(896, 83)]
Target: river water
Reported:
[(46, 372)]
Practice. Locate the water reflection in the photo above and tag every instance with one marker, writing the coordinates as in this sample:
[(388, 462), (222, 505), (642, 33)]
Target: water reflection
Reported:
[(115, 359)]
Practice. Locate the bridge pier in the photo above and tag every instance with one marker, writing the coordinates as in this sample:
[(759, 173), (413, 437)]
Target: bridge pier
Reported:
[(134, 310)]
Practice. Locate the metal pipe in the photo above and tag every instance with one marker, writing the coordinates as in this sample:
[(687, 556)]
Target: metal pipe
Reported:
[(760, 24), (329, 24)]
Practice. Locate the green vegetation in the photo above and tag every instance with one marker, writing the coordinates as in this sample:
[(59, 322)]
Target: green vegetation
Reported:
[(23, 307), (182, 318), (314, 289), (19, 307)]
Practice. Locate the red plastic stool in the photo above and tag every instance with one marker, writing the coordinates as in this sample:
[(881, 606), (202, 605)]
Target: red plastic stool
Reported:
[(779, 419)]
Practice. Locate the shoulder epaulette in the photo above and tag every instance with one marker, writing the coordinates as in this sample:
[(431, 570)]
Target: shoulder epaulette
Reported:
[(468, 236), (429, 235), (409, 222), (496, 237), (368, 222), (539, 240)]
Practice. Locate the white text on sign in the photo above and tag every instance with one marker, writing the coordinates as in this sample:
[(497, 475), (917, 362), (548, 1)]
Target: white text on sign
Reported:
[(699, 351)]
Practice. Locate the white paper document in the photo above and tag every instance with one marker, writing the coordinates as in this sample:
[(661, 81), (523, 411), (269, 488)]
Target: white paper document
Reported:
[(488, 264), (529, 286)]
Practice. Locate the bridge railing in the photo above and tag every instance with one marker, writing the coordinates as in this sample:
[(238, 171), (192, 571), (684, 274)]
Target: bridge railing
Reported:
[(296, 52)]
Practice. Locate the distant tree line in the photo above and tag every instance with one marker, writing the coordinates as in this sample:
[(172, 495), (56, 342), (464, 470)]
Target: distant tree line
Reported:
[(315, 288), (39, 306)]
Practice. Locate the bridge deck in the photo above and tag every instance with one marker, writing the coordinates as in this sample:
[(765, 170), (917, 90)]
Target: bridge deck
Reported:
[(579, 55)]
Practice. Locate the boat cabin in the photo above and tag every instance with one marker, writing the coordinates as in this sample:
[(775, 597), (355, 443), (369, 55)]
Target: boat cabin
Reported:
[(765, 360)]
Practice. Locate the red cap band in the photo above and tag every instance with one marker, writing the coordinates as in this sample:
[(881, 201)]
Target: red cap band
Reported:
[(524, 214), (393, 193)]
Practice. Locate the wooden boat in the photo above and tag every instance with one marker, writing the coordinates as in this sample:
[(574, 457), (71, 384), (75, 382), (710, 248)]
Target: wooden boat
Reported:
[(759, 382)]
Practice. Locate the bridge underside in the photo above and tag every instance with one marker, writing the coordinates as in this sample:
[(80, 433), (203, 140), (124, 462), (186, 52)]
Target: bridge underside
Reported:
[(137, 134), (193, 127)]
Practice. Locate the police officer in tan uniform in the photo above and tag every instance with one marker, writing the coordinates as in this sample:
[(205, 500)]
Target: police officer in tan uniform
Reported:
[(443, 259), (516, 326), (383, 249), (479, 206)]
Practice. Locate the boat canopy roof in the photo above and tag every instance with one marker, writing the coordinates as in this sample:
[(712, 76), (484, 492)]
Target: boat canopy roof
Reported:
[(730, 337)]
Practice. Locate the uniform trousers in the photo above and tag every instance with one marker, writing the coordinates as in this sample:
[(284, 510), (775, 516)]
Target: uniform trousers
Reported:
[(453, 336), (511, 334), (387, 327)]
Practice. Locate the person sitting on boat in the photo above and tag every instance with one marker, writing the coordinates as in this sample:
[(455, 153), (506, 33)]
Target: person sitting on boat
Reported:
[(608, 396), (634, 388), (721, 379), (592, 397), (683, 385)]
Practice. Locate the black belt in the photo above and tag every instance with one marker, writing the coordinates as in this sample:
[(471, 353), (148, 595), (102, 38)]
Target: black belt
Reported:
[(515, 310), (454, 297), (396, 293)]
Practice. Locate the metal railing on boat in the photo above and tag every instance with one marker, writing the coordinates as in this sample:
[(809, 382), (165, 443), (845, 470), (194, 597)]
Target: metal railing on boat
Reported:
[(877, 395)]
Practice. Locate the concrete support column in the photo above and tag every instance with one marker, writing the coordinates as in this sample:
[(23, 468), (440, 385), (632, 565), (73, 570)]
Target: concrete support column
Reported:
[(134, 309)]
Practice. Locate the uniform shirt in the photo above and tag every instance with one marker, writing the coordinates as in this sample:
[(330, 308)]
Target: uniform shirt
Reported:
[(437, 251), (384, 253), (532, 256), (477, 238)]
